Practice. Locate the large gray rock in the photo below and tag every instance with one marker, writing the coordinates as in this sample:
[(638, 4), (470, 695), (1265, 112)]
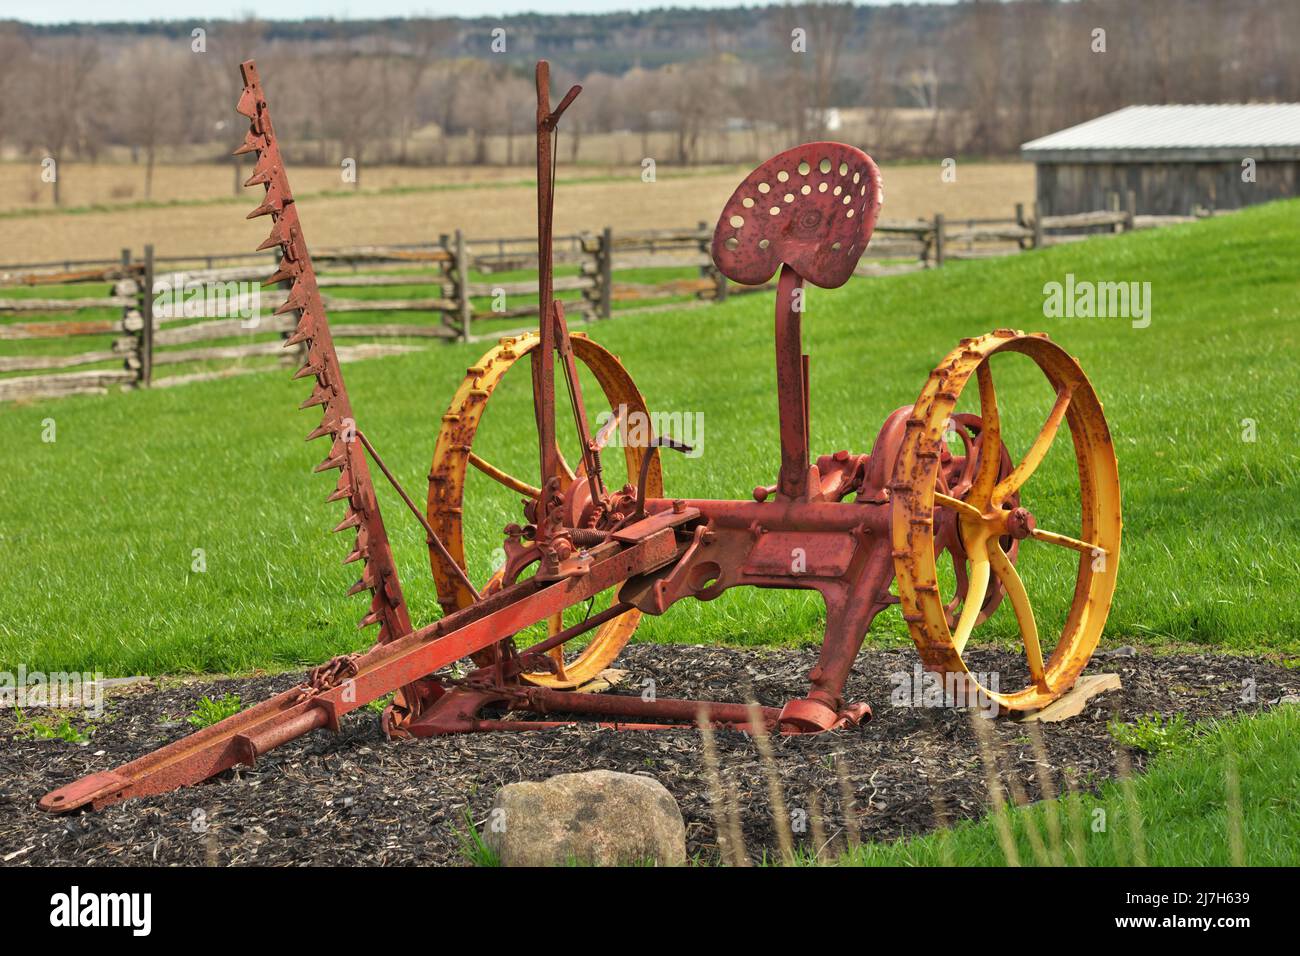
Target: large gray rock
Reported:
[(599, 818)]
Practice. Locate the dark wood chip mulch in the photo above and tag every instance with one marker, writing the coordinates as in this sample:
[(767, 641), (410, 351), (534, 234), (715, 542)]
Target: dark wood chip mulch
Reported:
[(354, 798)]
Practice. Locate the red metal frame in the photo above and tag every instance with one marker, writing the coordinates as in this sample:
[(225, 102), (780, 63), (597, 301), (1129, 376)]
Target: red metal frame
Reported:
[(823, 525)]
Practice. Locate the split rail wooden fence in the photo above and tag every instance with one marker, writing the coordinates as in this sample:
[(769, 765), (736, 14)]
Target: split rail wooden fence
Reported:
[(208, 311)]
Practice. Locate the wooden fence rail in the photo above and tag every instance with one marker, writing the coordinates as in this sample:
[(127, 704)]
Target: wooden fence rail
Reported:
[(174, 310)]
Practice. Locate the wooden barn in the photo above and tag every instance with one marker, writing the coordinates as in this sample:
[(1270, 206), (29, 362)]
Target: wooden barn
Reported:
[(1170, 160)]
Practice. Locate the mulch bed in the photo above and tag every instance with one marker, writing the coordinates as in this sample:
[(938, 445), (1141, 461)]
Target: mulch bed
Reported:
[(354, 798)]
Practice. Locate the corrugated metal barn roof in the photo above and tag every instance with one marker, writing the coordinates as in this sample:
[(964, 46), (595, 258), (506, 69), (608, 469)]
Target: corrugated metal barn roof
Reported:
[(1160, 133)]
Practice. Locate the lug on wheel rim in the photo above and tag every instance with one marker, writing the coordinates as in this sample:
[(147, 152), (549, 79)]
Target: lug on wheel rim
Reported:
[(453, 456), (985, 518)]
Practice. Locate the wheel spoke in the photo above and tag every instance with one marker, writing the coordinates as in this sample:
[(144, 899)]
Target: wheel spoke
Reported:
[(510, 481), (990, 440), (607, 431), (962, 584), (1065, 541), (1038, 450), (976, 589), (554, 625), (566, 473), (956, 504), (1015, 588)]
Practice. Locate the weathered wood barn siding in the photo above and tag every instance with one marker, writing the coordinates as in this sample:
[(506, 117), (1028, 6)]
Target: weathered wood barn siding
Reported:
[(1170, 160), (1173, 188)]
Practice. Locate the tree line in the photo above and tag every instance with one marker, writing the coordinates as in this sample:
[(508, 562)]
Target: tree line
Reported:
[(973, 78)]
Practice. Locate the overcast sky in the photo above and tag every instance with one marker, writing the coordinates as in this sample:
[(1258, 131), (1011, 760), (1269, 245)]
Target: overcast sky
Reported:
[(62, 11)]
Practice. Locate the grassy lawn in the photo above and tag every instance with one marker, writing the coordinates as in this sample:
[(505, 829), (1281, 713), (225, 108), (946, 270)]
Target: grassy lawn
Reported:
[(101, 530), (1228, 800)]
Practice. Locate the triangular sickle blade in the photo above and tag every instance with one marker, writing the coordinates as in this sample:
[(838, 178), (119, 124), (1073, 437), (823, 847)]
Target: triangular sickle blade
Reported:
[(263, 171), (299, 296), (253, 142), (248, 102), (812, 207), (305, 331), (287, 270)]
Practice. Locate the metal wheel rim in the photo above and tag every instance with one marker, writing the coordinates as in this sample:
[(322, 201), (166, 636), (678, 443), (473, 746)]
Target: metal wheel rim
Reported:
[(914, 501), (447, 486)]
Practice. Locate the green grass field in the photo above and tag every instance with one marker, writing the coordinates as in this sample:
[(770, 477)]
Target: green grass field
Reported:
[(99, 530), (1231, 800)]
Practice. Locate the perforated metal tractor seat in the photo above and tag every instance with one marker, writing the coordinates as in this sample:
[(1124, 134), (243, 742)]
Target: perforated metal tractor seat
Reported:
[(812, 207)]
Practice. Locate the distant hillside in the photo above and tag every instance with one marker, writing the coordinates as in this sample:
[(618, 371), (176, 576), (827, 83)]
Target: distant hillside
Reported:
[(607, 43)]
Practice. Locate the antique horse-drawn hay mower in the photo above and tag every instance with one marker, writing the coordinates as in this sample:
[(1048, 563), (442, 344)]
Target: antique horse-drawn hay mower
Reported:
[(845, 525)]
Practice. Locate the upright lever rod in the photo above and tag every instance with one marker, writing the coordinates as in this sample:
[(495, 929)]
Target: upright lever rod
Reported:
[(543, 358)]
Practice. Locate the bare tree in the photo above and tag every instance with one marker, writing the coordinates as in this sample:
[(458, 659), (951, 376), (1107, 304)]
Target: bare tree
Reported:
[(693, 94), (148, 115), (423, 40), (446, 92), (876, 70), (828, 26), (981, 73), (63, 101), (15, 56), (475, 112), (358, 82)]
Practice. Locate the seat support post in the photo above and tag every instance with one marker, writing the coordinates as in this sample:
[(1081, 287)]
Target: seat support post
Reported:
[(792, 386)]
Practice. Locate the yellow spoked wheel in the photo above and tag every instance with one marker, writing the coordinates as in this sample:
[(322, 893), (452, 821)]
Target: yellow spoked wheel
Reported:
[(989, 511), (454, 457)]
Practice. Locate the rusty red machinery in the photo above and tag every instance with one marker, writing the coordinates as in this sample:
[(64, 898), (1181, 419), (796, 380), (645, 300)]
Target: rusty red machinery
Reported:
[(865, 531)]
